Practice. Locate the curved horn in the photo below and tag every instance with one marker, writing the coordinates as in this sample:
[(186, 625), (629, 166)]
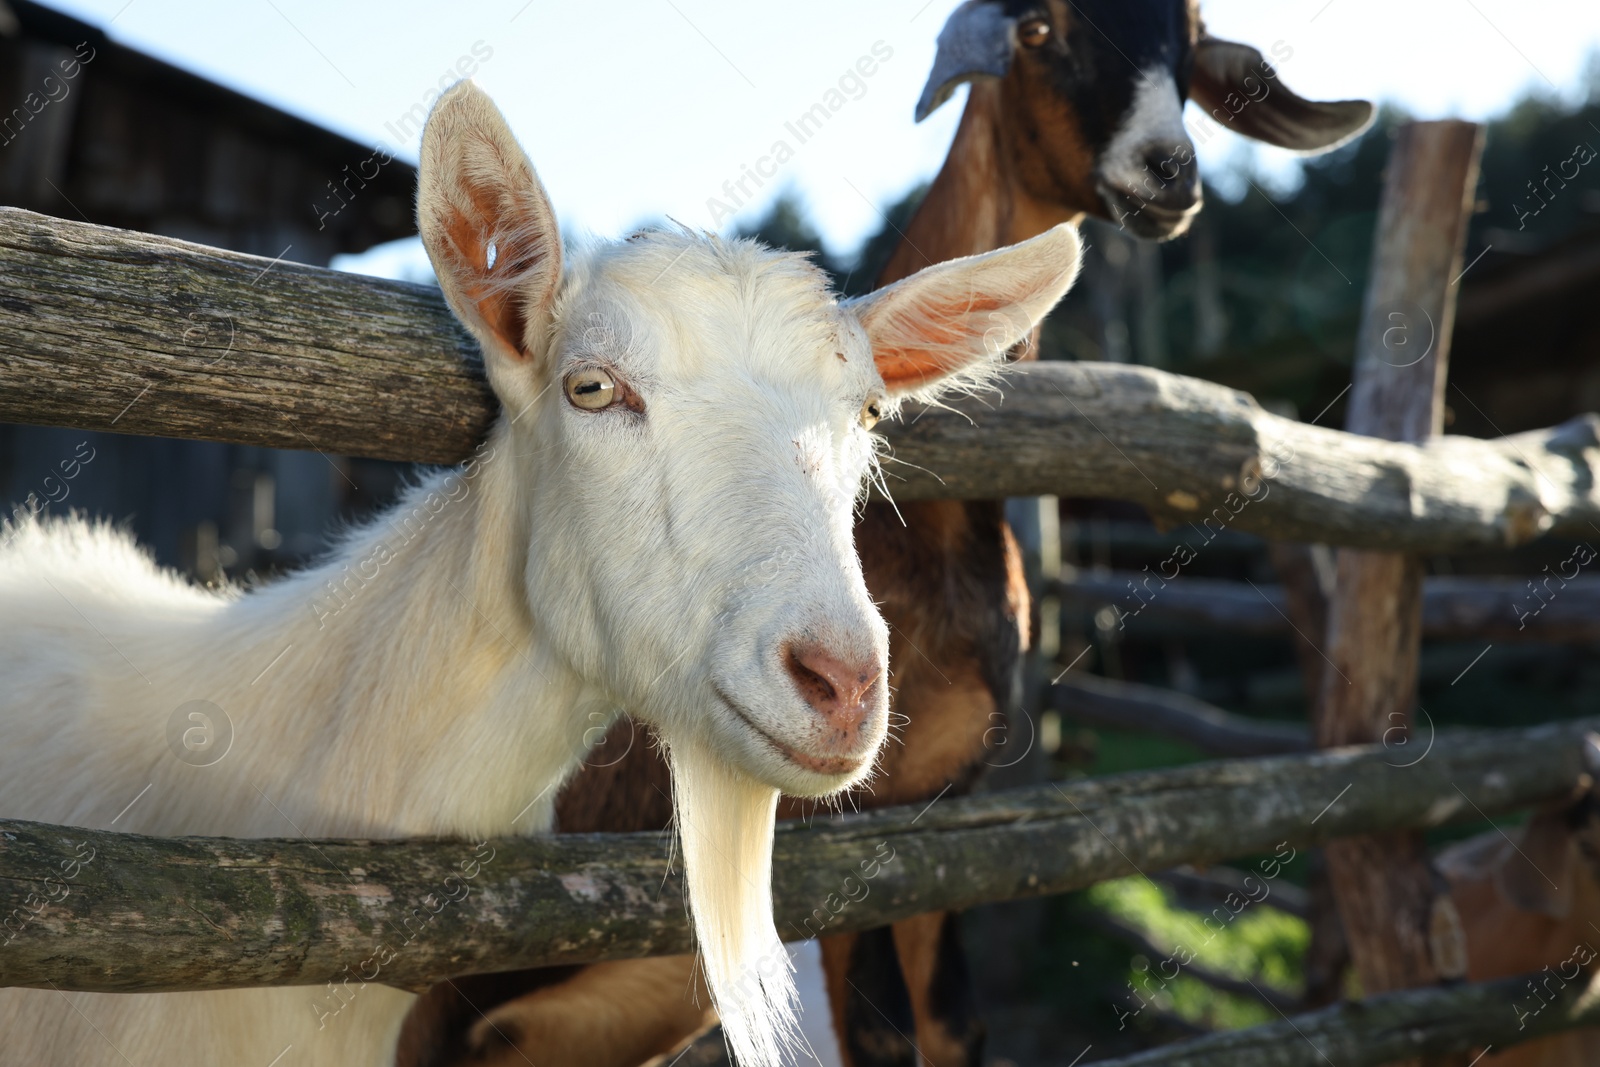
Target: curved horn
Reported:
[(1227, 70), (976, 42)]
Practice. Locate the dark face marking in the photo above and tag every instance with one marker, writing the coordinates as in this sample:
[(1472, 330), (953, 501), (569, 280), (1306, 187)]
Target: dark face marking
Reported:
[(1098, 49), (1069, 95)]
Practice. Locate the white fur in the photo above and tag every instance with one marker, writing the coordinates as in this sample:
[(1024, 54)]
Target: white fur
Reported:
[(443, 671), (1154, 119)]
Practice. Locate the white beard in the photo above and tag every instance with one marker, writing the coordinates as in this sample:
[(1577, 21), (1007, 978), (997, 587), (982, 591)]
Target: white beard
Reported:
[(725, 821)]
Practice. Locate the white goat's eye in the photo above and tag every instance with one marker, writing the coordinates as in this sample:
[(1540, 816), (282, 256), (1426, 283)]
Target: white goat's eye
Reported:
[(871, 412), (591, 389)]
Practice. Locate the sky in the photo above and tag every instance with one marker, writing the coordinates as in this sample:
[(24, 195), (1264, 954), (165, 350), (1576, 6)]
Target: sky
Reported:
[(636, 110)]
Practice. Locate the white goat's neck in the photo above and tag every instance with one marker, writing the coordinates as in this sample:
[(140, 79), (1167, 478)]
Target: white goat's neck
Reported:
[(516, 713), (413, 694)]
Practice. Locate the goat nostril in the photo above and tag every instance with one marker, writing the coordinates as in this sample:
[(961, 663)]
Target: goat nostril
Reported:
[(829, 685), (814, 685), (1172, 171)]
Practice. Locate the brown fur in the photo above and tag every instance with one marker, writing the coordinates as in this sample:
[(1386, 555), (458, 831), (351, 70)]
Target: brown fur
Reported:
[(624, 787), (437, 1028), (1047, 163), (1516, 922), (1020, 164), (616, 1014), (949, 1032), (872, 1014), (984, 197)]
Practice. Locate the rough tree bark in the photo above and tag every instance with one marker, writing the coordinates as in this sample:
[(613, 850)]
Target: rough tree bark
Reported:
[(111, 330), (155, 914), (1401, 930)]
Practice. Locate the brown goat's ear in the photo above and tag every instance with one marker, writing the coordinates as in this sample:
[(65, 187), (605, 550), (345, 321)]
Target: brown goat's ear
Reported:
[(960, 317), (1240, 90), (1537, 875), (977, 42), (492, 236)]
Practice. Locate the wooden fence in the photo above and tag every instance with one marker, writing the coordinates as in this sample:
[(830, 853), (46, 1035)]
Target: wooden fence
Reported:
[(109, 330), (211, 913), (126, 332)]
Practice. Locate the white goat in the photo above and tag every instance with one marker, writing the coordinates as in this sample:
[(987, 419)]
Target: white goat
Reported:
[(660, 521)]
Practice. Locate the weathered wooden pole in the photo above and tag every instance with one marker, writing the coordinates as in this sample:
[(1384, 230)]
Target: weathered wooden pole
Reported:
[(1401, 932), (131, 333), (98, 911)]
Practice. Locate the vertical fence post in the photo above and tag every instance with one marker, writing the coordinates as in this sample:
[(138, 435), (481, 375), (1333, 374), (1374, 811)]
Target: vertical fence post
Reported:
[(1400, 933), (1305, 572), (1035, 523)]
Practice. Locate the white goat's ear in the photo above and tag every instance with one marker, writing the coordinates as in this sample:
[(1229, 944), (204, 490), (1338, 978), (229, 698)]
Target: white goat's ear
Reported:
[(489, 230), (961, 316)]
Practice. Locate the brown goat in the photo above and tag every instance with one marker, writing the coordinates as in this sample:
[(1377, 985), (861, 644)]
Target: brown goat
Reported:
[(1530, 904), (1074, 109)]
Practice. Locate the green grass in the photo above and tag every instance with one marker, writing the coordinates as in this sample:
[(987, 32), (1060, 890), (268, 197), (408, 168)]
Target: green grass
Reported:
[(1258, 943)]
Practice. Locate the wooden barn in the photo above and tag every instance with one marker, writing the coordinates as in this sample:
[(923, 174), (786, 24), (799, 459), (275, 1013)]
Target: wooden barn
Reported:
[(93, 130)]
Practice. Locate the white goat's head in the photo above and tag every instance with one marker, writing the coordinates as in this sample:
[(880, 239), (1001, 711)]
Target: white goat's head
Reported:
[(693, 418)]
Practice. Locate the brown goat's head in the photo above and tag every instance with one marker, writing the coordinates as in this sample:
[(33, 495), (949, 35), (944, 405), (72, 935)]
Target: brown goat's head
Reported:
[(1093, 93)]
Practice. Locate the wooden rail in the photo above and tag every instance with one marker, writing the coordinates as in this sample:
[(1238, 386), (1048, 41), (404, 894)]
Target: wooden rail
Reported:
[(1109, 702), (1364, 1033), (1546, 607), (134, 913), (1433, 1021), (112, 330)]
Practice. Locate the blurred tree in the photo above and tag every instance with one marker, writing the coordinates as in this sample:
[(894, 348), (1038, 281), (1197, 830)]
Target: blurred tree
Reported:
[(785, 225), (875, 250), (1282, 278)]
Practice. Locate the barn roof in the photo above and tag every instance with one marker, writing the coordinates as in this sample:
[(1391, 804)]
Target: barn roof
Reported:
[(128, 140)]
